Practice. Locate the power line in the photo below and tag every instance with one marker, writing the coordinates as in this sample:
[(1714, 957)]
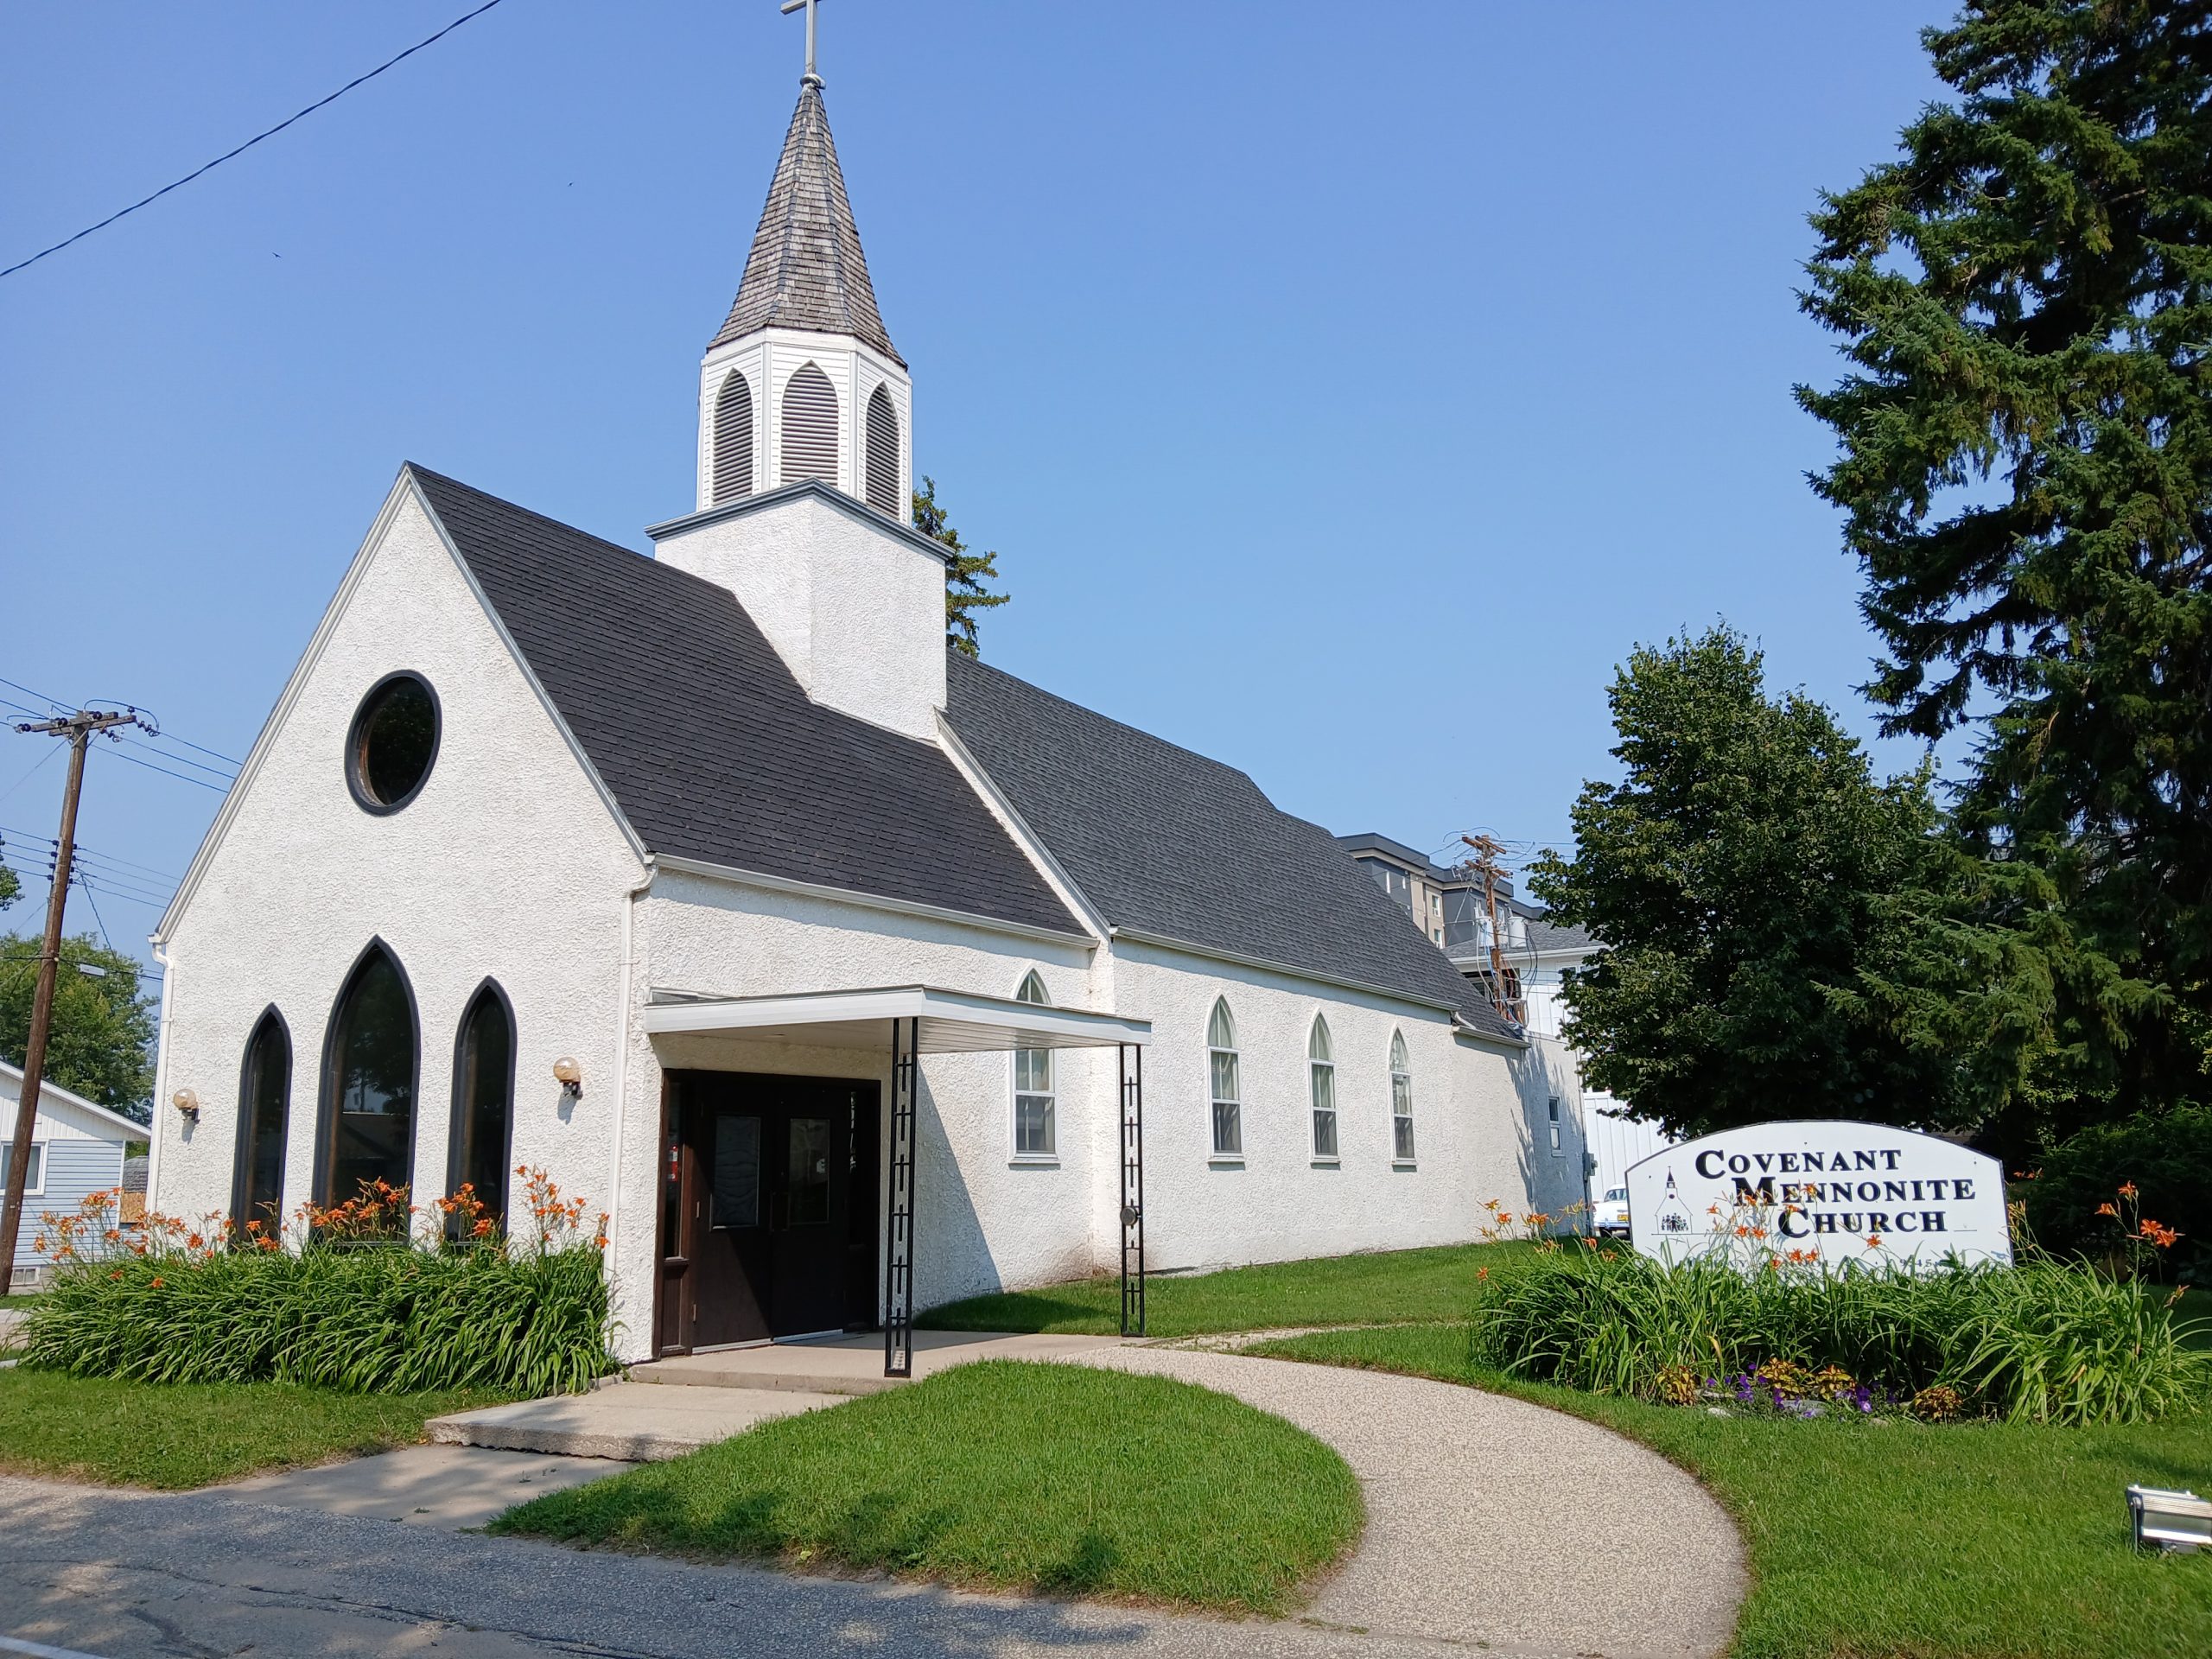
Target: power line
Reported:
[(171, 737), (182, 759), (250, 142), (84, 885), (18, 686), (156, 732), (186, 778), (99, 858)]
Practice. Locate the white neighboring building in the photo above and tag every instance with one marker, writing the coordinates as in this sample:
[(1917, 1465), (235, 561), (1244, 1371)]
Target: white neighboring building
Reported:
[(77, 1148), (1538, 952), (835, 965)]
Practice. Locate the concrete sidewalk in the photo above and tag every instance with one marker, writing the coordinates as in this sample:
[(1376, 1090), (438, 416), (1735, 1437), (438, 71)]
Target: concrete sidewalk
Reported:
[(629, 1421), (1492, 1523)]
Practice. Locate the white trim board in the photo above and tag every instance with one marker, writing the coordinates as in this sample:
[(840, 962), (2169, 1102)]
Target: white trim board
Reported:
[(952, 1022), (860, 901)]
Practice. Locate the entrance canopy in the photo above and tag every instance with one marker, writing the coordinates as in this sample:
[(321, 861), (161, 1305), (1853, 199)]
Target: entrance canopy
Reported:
[(944, 1022)]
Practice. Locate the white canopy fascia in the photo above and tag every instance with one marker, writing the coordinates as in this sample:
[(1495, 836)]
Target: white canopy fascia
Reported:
[(946, 1022)]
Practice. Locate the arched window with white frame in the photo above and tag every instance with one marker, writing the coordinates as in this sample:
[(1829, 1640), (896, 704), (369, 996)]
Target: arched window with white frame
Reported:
[(1401, 1100), (1036, 1134), (1321, 1075), (1227, 1112)]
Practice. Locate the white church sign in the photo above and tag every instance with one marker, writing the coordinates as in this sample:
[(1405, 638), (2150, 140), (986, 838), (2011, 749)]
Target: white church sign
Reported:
[(1820, 1190)]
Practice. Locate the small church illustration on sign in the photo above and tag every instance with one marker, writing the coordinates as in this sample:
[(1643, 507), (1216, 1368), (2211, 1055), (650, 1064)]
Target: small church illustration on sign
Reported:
[(849, 974)]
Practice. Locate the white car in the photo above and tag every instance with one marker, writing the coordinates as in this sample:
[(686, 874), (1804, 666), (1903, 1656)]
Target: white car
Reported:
[(1610, 1215)]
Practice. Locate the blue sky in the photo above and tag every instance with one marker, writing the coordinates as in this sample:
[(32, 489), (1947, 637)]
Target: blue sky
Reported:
[(1346, 389)]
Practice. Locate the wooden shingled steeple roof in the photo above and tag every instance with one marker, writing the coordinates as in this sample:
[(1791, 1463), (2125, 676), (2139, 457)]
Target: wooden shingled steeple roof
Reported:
[(806, 269)]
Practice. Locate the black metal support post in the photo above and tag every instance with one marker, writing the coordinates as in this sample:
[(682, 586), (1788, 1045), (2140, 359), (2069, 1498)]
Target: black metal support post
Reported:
[(1132, 1072), (898, 1235)]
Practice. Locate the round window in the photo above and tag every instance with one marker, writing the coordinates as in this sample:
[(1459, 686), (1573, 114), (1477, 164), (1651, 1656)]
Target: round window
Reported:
[(395, 738)]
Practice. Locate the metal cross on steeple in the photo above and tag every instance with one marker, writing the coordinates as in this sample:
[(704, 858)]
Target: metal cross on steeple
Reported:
[(809, 79)]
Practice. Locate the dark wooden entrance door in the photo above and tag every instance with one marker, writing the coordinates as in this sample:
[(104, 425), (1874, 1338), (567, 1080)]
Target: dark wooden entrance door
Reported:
[(772, 1212)]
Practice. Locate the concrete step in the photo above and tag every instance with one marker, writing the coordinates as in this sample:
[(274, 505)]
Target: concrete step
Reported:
[(850, 1365), (632, 1422)]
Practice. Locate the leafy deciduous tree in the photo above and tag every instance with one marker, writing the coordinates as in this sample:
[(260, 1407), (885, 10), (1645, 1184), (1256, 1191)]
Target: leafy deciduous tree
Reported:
[(1786, 935), (104, 1021)]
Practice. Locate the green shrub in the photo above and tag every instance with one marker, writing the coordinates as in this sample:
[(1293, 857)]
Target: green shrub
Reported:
[(2167, 1156), (391, 1320), (374, 1295), (2044, 1342)]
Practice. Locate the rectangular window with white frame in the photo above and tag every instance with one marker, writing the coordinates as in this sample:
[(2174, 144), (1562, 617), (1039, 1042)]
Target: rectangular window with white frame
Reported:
[(1035, 1134), (1552, 1109), (35, 1181)]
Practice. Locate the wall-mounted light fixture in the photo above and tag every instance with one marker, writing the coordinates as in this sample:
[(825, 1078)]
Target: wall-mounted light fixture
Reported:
[(188, 1105), (569, 1076), (2180, 1522)]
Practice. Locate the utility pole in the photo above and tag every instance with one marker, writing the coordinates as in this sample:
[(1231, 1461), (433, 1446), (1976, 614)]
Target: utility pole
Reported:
[(1488, 850), (78, 729)]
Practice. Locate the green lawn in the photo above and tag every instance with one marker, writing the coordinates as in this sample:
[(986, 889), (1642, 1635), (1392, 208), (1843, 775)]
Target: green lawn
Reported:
[(1384, 1287), (1904, 1540), (190, 1434), (1003, 1474)]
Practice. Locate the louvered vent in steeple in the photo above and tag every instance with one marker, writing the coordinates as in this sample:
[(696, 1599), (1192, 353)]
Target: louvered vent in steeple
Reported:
[(809, 427), (732, 441), (882, 453)]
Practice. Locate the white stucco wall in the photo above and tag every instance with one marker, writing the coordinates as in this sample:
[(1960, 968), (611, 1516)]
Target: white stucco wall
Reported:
[(855, 610), (1280, 1202), (507, 864)]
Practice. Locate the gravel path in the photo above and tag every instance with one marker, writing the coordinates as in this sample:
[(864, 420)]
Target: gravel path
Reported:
[(1491, 1526), (1492, 1521)]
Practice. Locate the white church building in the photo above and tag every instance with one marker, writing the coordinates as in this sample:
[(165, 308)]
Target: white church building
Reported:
[(849, 974)]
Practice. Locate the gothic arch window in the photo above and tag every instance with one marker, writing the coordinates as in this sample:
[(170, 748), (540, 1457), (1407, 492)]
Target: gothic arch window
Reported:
[(883, 452), (484, 1101), (1401, 1100), (369, 1062), (809, 427), (1035, 1099), (1321, 1076), (733, 458), (1228, 1110), (264, 1104)]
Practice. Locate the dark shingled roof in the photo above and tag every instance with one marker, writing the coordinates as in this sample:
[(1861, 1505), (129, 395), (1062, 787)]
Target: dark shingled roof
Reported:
[(806, 269), (708, 744), (1168, 842)]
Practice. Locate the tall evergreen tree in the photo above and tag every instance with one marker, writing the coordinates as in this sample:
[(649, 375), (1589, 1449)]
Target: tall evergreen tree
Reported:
[(1785, 936), (964, 573), (2025, 469)]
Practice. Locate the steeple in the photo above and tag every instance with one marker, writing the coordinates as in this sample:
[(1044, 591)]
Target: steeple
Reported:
[(802, 380), (806, 269)]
